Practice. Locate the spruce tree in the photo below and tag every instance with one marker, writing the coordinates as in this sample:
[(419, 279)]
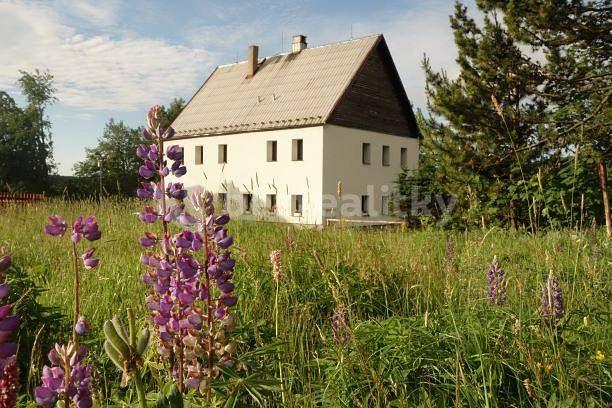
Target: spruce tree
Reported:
[(483, 122), (575, 37)]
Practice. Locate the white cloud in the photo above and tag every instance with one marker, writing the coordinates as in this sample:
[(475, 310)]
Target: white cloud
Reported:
[(101, 14), (96, 72)]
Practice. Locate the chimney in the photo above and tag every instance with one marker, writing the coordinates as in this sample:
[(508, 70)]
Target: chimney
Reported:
[(298, 43), (253, 61)]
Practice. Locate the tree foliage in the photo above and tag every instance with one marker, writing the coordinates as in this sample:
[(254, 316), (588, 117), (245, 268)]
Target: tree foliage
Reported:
[(112, 165), (514, 135), (26, 149)]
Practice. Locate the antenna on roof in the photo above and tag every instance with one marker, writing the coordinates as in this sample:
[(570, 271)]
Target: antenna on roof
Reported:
[(351, 31), (282, 42)]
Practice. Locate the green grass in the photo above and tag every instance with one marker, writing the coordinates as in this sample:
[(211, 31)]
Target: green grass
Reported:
[(423, 332)]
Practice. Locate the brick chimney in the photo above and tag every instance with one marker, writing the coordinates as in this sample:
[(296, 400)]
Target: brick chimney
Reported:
[(298, 43), (253, 60)]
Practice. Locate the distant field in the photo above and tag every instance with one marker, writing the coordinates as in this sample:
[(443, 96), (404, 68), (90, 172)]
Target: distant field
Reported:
[(423, 332)]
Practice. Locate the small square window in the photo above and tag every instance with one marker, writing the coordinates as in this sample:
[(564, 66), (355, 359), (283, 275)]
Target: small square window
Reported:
[(199, 154), (365, 205), (247, 203), (222, 153), (271, 154), (384, 205), (297, 153), (222, 200), (365, 153), (385, 156), (404, 157), (271, 203), (296, 205)]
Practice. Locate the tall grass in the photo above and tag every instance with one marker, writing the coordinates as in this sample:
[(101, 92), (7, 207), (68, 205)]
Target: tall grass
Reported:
[(423, 332)]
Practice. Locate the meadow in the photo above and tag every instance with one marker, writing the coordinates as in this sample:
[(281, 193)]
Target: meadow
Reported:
[(420, 329)]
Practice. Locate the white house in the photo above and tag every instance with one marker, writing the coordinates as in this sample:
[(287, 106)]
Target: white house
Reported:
[(274, 137)]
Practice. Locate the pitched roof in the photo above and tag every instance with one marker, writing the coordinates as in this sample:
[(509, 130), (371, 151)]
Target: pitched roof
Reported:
[(287, 90)]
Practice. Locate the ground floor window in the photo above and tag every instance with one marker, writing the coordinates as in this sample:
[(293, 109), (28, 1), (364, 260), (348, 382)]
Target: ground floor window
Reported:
[(365, 205), (271, 202), (247, 203), (296, 204)]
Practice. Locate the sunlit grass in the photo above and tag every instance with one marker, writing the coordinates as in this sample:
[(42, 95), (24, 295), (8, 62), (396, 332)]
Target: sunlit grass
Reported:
[(423, 331)]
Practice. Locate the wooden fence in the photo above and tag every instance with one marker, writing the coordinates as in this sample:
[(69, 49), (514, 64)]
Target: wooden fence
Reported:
[(21, 199)]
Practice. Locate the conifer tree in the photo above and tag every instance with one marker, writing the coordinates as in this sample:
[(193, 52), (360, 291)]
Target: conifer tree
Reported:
[(575, 37), (482, 123)]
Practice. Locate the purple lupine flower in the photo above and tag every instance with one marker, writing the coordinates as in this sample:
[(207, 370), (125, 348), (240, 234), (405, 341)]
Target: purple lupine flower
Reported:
[(148, 240), (89, 261), (63, 359), (145, 134), (91, 231), (145, 191), (168, 134), (57, 227), (5, 260), (176, 191), (153, 117), (177, 169), (82, 326), (552, 308), (142, 151), (149, 215), (186, 219), (77, 229), (163, 171), (497, 283), (340, 325), (147, 169), (153, 153), (9, 370), (174, 152)]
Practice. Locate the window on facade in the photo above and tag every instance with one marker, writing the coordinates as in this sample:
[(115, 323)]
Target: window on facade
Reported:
[(404, 157), (385, 156), (384, 205), (296, 204), (222, 201), (365, 153), (199, 154), (222, 153), (365, 205), (297, 150), (271, 202), (272, 150), (247, 203)]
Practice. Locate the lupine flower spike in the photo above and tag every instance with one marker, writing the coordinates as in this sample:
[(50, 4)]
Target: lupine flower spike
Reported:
[(67, 379), (552, 301), (182, 297), (276, 265), (9, 370), (340, 325), (497, 283)]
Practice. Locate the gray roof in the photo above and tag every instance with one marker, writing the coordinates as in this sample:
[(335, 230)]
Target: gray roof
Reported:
[(287, 90)]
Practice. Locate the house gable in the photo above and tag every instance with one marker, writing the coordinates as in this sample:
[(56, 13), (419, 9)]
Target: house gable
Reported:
[(375, 99)]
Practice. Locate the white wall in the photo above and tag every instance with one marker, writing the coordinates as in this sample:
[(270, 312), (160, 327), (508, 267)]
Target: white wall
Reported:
[(247, 170), (342, 158)]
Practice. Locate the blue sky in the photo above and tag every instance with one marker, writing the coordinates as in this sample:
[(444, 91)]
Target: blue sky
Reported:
[(115, 58)]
